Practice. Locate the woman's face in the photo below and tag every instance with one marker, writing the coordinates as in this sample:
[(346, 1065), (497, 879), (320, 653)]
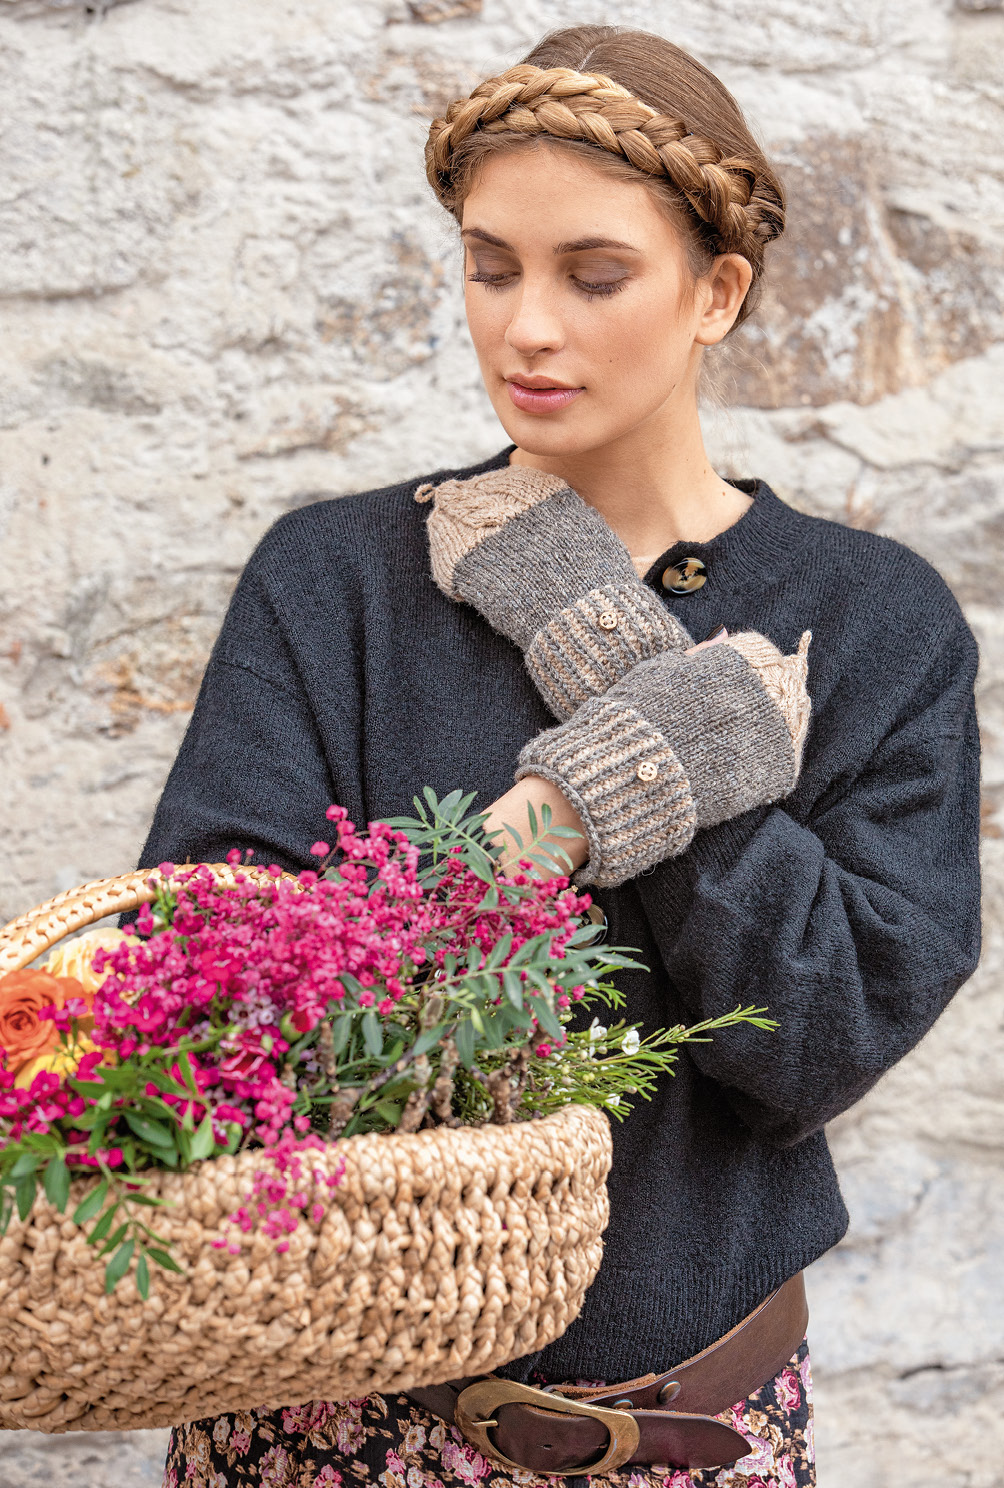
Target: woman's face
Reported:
[(585, 314)]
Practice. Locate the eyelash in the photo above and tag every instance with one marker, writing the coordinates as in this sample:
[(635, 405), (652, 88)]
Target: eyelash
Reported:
[(591, 291)]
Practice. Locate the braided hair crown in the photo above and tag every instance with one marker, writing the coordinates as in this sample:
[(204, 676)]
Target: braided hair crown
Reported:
[(717, 176)]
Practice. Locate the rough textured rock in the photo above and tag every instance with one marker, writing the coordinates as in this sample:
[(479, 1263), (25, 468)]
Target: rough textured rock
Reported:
[(226, 289), (104, 1459)]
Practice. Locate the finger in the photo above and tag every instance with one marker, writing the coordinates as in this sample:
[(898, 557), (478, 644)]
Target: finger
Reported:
[(714, 639)]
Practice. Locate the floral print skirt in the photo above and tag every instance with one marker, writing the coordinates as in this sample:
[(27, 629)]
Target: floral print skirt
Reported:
[(389, 1442)]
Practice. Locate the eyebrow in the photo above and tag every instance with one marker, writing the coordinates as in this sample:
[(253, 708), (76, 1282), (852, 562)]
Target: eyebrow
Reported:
[(578, 245)]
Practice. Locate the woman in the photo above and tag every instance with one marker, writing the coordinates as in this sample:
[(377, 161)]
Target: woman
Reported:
[(537, 618)]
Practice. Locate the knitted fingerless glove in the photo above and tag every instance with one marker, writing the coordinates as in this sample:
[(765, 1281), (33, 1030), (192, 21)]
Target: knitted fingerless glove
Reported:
[(681, 742), (544, 568)]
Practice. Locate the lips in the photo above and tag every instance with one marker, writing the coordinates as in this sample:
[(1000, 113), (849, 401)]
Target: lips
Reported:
[(539, 395)]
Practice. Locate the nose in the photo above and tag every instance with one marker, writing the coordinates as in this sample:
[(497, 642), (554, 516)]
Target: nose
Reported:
[(535, 325)]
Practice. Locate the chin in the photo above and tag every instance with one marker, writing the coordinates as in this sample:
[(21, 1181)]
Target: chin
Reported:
[(554, 435)]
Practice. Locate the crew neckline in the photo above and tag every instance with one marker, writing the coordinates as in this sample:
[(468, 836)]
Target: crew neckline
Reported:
[(756, 547), (753, 550)]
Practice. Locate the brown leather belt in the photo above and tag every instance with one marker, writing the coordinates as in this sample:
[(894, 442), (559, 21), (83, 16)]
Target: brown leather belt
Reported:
[(595, 1431)]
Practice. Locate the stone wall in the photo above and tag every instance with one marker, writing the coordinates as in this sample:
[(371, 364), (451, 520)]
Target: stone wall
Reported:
[(226, 289)]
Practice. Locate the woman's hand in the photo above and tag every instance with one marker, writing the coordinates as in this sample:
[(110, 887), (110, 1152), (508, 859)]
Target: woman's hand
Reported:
[(511, 810), (684, 741), (544, 568), (716, 638)]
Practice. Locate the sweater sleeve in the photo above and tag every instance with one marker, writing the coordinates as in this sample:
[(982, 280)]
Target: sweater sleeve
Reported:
[(251, 771), (854, 926), (248, 775)]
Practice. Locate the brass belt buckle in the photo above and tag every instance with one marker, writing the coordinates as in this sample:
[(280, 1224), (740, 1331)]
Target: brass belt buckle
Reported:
[(473, 1414)]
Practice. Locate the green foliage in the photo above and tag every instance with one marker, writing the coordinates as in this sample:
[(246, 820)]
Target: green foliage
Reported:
[(145, 1128), (474, 1038), (485, 1018)]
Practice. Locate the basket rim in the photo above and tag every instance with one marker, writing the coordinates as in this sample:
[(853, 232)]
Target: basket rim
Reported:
[(38, 930), (462, 1145)]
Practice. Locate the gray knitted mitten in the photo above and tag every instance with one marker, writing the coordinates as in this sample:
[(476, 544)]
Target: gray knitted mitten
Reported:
[(681, 742), (578, 610)]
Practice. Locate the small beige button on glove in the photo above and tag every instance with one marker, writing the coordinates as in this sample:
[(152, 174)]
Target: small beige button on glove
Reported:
[(680, 742), (544, 568)]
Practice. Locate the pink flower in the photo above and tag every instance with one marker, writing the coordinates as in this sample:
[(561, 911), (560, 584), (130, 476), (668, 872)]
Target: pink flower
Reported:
[(300, 1420), (328, 1477), (277, 1469), (243, 1066), (759, 1458), (320, 850), (786, 1391), (414, 1440), (786, 1471), (542, 1051), (466, 1461), (349, 1434), (805, 1371), (221, 966)]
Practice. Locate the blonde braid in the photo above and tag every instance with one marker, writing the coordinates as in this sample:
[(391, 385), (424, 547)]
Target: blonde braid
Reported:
[(591, 107)]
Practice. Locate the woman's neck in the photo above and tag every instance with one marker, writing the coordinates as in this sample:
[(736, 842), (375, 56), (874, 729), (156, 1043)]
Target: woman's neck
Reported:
[(654, 488)]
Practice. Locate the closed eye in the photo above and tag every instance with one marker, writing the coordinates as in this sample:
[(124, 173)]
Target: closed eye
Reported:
[(599, 288), (493, 281), (596, 289)]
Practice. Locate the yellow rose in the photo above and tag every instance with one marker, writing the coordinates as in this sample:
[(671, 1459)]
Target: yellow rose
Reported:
[(75, 958), (62, 1061)]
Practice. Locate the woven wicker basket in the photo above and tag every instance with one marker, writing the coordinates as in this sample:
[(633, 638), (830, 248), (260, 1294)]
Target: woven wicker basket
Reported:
[(443, 1253)]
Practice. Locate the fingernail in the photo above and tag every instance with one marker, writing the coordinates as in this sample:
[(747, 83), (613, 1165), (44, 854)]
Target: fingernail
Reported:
[(714, 639)]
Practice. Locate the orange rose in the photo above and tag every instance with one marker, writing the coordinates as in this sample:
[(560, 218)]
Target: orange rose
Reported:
[(23, 1035)]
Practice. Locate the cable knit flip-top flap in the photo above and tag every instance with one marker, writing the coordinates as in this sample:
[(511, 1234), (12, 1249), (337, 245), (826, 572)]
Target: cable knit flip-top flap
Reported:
[(465, 512), (494, 496), (784, 680)]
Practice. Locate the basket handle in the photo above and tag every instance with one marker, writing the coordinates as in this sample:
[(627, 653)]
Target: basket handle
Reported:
[(43, 927)]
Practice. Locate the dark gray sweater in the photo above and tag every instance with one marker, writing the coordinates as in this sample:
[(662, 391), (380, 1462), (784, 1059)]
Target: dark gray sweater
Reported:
[(851, 910)]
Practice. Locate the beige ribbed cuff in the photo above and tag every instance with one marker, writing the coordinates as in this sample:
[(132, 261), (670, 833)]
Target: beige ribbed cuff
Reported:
[(624, 781), (593, 643)]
